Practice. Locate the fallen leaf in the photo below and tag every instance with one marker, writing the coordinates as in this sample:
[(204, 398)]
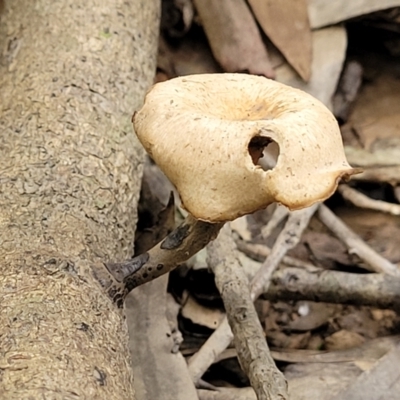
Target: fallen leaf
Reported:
[(327, 12), (326, 248), (314, 315), (329, 52), (381, 382), (201, 315), (343, 339), (323, 376), (234, 36), (286, 25)]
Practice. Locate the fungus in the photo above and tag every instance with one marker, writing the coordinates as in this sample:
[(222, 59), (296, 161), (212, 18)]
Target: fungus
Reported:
[(207, 134)]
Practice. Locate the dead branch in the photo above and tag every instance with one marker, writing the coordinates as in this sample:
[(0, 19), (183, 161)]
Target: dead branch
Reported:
[(220, 339), (260, 252), (253, 353), (227, 394), (374, 261), (386, 174), (287, 239), (280, 213), (363, 201), (222, 336), (376, 290)]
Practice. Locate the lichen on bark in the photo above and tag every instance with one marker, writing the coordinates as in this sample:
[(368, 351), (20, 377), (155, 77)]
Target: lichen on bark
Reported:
[(71, 74)]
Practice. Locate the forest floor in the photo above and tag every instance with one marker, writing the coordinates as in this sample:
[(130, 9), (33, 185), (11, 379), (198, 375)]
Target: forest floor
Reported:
[(330, 315)]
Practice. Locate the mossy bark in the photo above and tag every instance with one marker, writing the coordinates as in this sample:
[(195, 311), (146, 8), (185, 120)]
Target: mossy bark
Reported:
[(71, 74)]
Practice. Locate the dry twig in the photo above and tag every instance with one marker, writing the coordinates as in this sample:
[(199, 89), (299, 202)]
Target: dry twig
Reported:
[(355, 244), (228, 394), (222, 336), (287, 239), (280, 213), (220, 339), (253, 353), (260, 252), (376, 290), (363, 201)]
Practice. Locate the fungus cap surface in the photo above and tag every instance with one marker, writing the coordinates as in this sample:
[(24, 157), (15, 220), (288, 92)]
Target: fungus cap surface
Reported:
[(198, 130)]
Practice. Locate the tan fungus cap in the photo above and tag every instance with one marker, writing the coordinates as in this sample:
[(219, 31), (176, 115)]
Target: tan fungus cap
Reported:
[(198, 130)]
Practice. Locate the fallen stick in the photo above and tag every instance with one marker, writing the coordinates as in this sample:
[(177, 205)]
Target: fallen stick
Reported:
[(253, 352), (374, 261), (376, 290), (280, 213), (259, 252), (363, 201), (287, 239), (227, 394), (222, 336), (219, 340)]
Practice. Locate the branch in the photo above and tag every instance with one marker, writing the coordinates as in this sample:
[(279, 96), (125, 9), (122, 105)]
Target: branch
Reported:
[(287, 239), (227, 394), (181, 244), (376, 290), (363, 201), (219, 340), (279, 214), (374, 261), (222, 336), (259, 252), (253, 353)]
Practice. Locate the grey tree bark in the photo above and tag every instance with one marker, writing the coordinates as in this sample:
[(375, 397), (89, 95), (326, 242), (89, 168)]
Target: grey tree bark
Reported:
[(71, 74)]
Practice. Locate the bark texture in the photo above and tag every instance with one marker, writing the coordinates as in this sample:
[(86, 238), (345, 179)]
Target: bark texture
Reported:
[(71, 74)]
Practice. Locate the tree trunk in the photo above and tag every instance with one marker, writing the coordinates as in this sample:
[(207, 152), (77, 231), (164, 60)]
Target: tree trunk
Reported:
[(71, 74)]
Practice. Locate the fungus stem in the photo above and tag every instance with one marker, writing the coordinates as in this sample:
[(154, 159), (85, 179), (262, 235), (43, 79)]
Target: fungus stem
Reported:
[(181, 244)]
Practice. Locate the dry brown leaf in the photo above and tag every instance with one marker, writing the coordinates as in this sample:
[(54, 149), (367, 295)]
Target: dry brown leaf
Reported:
[(287, 25), (324, 375), (326, 249), (376, 113), (200, 314), (312, 315), (343, 339), (234, 37), (329, 52), (325, 12), (381, 382)]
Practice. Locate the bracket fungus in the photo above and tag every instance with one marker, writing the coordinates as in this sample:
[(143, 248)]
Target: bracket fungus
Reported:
[(207, 133)]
